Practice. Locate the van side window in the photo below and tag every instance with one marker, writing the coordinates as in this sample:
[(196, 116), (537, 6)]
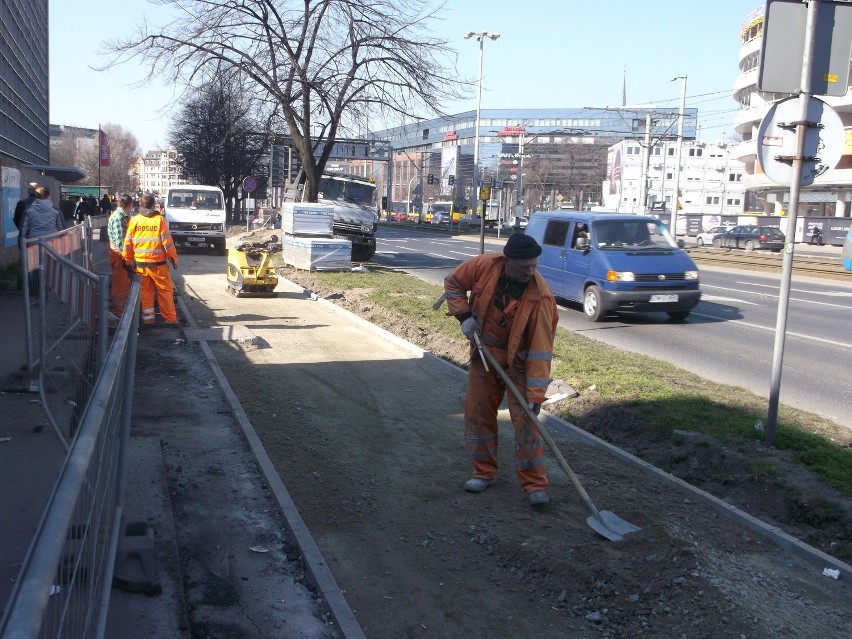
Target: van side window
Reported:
[(580, 230), (556, 232)]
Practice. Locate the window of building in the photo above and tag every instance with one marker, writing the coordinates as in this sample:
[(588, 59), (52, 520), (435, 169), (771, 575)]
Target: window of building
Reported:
[(670, 175), (672, 151), (735, 177), (712, 199), (696, 153), (733, 201), (656, 151), (638, 125), (425, 134)]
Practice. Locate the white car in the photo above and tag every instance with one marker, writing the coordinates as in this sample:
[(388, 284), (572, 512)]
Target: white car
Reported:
[(706, 238), (509, 224)]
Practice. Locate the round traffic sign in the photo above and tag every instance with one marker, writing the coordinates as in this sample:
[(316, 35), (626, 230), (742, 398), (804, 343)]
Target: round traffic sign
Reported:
[(776, 141), (249, 183)]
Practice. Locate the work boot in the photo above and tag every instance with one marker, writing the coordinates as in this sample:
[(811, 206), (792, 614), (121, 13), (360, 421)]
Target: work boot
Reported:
[(478, 484), (538, 498)]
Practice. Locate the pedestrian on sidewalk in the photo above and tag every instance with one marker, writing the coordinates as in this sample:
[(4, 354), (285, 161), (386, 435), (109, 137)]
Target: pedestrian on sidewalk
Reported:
[(22, 206), (79, 214), (148, 248), (40, 219), (116, 230), (514, 312)]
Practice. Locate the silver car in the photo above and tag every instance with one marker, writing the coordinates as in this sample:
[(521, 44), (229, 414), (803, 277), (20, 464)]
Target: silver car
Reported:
[(706, 238), (509, 224)]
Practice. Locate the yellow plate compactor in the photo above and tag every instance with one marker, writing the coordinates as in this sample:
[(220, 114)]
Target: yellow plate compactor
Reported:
[(250, 271)]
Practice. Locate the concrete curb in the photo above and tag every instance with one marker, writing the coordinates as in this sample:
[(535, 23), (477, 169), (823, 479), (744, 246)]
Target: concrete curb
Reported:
[(315, 563), (775, 534)]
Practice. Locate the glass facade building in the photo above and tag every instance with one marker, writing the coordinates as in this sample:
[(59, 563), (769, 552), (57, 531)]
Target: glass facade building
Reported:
[(24, 105), (562, 152)]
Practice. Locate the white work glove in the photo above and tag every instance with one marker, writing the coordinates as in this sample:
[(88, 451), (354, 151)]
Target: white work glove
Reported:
[(535, 408), (469, 326)]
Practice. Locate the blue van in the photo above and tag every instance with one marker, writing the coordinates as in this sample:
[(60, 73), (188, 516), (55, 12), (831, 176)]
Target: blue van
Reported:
[(611, 262)]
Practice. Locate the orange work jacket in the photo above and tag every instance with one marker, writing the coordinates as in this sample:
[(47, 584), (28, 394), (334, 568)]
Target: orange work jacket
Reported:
[(530, 344), (148, 241)]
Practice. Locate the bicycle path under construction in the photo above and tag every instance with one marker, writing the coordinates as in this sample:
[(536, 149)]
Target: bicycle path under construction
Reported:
[(231, 545)]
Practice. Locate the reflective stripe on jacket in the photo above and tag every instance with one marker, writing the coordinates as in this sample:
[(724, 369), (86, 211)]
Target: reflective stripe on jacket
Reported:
[(148, 240), (534, 325)]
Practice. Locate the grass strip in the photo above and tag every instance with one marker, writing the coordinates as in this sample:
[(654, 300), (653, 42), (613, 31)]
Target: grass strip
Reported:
[(657, 394)]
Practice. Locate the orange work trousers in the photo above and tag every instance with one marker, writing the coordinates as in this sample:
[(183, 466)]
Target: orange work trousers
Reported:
[(485, 391), (156, 282), (119, 287)]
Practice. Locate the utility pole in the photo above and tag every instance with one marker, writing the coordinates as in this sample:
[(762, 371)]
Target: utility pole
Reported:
[(678, 152), (646, 160)]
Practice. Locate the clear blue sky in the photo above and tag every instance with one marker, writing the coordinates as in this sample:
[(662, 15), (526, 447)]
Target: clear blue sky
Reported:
[(551, 53)]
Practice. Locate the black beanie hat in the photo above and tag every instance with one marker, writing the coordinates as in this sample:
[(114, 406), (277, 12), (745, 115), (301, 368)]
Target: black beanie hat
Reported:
[(521, 247)]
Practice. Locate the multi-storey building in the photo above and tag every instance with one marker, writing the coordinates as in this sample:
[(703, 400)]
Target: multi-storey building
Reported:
[(160, 170), (24, 121), (831, 192), (710, 180), (564, 151)]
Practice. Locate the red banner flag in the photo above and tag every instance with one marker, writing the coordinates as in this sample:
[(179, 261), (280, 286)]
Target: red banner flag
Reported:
[(104, 149)]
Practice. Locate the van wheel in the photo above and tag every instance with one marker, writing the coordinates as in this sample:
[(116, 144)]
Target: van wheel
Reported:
[(678, 316), (593, 304)]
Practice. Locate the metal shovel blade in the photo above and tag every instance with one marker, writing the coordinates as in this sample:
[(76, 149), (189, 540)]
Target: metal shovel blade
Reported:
[(610, 525)]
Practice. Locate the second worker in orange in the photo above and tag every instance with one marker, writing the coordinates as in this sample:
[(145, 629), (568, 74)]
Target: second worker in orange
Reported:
[(148, 249)]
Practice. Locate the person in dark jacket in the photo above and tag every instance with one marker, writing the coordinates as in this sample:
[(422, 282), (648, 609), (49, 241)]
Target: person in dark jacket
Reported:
[(22, 206)]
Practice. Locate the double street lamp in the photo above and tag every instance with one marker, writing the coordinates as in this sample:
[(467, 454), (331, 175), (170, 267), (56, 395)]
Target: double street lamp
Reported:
[(480, 37)]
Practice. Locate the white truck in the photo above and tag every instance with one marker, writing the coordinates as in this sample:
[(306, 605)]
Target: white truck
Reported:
[(356, 216), (196, 216)]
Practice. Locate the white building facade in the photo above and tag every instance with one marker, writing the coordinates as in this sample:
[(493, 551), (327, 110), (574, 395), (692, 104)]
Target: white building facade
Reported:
[(831, 193), (711, 179), (160, 170)]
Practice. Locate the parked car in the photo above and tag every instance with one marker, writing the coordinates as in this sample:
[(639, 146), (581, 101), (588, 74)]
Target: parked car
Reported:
[(399, 217), (706, 238), (751, 237), (509, 224), (471, 219), (441, 218)]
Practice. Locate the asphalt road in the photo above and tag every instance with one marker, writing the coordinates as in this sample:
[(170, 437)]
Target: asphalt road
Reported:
[(728, 338)]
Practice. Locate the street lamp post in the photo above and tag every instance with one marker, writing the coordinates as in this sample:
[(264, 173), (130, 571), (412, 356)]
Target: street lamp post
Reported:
[(480, 37)]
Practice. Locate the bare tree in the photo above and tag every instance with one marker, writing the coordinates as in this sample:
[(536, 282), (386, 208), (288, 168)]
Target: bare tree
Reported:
[(122, 174), (221, 137), (324, 66)]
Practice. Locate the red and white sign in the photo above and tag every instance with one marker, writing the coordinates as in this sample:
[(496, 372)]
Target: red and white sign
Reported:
[(511, 132)]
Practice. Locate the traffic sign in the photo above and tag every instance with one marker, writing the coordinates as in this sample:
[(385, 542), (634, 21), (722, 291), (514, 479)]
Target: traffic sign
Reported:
[(776, 141), (249, 183), (782, 51)]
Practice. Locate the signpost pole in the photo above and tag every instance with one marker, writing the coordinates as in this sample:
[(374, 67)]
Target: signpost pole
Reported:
[(790, 239)]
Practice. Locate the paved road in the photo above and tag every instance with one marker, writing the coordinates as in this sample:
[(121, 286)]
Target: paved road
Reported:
[(728, 338)]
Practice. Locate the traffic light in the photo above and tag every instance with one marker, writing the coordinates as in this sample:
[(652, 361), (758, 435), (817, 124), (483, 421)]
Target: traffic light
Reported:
[(430, 179), (451, 180), (493, 182)]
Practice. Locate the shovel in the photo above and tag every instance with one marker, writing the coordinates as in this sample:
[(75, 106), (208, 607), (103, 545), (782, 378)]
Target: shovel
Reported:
[(604, 522)]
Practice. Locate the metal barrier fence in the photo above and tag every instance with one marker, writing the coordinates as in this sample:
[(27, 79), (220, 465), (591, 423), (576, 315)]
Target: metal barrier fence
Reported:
[(63, 589), (65, 346)]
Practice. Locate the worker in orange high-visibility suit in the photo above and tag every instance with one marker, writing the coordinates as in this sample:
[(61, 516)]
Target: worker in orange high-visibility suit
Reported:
[(148, 248), (514, 312)]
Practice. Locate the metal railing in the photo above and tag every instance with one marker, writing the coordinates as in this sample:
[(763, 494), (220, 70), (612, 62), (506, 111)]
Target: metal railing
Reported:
[(63, 589)]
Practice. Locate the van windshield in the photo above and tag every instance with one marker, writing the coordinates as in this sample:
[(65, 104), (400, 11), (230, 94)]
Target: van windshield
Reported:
[(191, 199), (641, 234)]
